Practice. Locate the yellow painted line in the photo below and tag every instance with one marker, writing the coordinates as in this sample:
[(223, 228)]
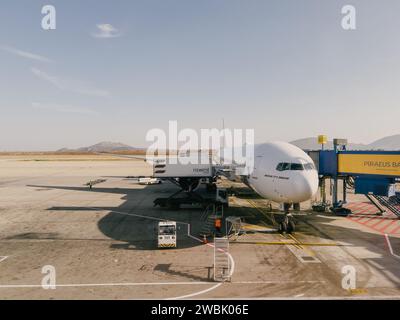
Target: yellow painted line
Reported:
[(257, 228), (295, 241), (282, 236), (312, 253), (269, 217)]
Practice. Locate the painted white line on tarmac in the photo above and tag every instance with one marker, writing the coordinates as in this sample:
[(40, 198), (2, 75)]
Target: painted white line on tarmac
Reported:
[(196, 293), (125, 284), (2, 258), (277, 282), (133, 284), (390, 247)]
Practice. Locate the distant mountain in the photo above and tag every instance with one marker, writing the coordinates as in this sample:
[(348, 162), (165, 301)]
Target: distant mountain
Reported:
[(104, 146), (387, 144)]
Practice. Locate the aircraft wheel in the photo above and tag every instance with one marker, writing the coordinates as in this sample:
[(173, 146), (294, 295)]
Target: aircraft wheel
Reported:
[(282, 227), (291, 227)]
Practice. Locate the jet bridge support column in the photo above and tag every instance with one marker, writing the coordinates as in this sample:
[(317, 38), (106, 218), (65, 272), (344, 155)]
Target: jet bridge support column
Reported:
[(338, 145), (335, 189), (323, 189)]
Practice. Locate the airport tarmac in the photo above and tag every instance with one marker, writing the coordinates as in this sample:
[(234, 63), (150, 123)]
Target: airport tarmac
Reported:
[(102, 242)]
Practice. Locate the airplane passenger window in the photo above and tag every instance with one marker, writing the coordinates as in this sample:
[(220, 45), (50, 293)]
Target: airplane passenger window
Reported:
[(296, 166)]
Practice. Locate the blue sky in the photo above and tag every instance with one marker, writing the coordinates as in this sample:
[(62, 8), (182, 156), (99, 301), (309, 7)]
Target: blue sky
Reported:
[(285, 68)]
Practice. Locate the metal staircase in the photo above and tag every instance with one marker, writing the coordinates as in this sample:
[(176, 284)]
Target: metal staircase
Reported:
[(390, 203), (209, 216), (208, 228), (221, 259)]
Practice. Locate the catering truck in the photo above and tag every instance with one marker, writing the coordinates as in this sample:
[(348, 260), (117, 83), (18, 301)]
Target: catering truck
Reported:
[(179, 170)]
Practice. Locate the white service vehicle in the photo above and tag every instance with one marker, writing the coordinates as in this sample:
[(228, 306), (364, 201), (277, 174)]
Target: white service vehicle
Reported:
[(167, 234), (149, 180)]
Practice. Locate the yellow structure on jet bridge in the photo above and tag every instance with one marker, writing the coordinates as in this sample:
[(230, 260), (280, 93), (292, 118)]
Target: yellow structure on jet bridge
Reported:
[(369, 163)]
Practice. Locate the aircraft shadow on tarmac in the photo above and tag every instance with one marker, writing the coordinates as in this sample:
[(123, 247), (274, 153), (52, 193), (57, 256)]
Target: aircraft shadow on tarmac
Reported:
[(134, 223)]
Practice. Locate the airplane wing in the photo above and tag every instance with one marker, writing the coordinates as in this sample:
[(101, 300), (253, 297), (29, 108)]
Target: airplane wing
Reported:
[(143, 158)]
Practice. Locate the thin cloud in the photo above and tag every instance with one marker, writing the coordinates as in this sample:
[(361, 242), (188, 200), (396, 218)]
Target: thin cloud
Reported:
[(106, 30), (64, 108), (75, 86), (52, 79), (25, 54)]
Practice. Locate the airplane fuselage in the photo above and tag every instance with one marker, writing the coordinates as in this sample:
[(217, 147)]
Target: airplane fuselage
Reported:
[(283, 173)]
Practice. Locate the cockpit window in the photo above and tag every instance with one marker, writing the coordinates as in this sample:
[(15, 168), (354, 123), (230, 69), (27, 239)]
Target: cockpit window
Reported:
[(309, 166), (296, 166), (286, 166), (283, 166)]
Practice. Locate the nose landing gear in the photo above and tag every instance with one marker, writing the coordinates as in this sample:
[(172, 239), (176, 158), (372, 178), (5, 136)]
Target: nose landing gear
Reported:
[(287, 225)]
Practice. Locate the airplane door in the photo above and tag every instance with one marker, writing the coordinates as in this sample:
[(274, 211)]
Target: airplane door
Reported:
[(280, 182), (255, 176)]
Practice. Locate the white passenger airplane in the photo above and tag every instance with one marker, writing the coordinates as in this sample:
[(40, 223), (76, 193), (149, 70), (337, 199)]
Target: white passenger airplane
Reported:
[(280, 172), (285, 174)]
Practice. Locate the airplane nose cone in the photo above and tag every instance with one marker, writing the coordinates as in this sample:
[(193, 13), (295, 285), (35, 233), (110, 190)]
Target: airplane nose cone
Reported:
[(307, 186), (311, 185)]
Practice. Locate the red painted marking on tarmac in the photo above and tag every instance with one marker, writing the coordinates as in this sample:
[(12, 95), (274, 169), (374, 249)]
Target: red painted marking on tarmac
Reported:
[(394, 231), (360, 218), (354, 218), (355, 206), (386, 226), (361, 205), (365, 214), (369, 218), (365, 222), (378, 223)]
